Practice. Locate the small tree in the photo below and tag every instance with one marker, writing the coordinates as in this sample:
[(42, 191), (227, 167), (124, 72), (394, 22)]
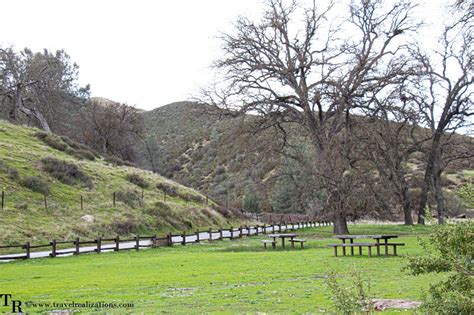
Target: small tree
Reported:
[(449, 249)]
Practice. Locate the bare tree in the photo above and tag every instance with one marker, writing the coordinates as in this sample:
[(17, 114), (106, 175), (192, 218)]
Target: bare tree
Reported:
[(444, 96), (303, 72), (111, 127), (152, 152), (393, 134)]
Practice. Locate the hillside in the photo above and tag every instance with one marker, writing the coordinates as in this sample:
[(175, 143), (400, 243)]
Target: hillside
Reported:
[(206, 151), (202, 150), (35, 167)]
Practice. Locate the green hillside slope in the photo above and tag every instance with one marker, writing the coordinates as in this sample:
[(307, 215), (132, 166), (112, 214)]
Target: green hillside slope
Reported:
[(202, 150), (35, 168)]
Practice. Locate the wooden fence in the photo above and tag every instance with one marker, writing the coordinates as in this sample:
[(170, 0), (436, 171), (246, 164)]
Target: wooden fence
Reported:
[(75, 247)]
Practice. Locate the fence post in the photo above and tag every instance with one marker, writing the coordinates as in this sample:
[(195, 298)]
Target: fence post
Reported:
[(3, 199), (264, 228), (114, 198), (117, 244), (197, 236), (183, 242), (220, 234), (240, 231), (53, 248), (169, 238), (99, 242), (137, 242), (76, 242), (248, 230), (153, 241), (210, 234), (28, 249), (273, 227), (231, 232), (279, 227), (256, 229)]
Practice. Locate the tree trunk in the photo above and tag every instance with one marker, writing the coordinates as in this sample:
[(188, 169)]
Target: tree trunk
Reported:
[(438, 191), (425, 187), (31, 112), (340, 223), (428, 179), (406, 204), (405, 198)]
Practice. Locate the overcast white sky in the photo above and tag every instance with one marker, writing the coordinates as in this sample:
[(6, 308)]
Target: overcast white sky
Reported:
[(143, 52)]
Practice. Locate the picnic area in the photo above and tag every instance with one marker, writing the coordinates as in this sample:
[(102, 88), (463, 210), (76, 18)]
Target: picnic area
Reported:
[(237, 275)]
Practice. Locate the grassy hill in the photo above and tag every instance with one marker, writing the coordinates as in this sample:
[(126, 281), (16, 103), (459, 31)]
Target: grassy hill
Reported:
[(201, 150), (35, 167), (206, 151)]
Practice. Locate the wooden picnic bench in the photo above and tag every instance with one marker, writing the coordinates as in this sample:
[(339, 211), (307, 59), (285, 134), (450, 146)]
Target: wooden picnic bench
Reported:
[(283, 236), (369, 246), (265, 242), (297, 240)]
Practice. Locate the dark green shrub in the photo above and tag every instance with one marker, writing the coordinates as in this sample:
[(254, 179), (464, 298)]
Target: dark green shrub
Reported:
[(52, 140), (83, 154), (129, 197), (124, 226), (160, 209), (12, 173), (21, 206), (118, 161), (449, 249), (168, 189), (191, 197), (74, 144), (36, 184), (65, 172), (137, 180)]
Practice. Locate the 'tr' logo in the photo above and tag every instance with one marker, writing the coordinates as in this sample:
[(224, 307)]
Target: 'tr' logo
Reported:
[(16, 304)]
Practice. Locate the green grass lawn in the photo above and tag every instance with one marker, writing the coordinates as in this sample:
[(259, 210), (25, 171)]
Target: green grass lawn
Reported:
[(235, 276)]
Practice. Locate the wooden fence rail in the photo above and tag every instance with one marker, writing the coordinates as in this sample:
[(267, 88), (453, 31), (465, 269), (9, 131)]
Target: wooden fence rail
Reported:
[(114, 244)]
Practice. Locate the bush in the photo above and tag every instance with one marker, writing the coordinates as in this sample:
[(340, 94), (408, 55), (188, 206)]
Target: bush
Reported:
[(168, 189), (449, 249), (67, 145), (21, 206), (116, 161), (36, 184), (65, 172), (351, 296), (129, 197), (83, 154), (12, 173), (137, 180), (78, 146), (52, 140), (124, 226)]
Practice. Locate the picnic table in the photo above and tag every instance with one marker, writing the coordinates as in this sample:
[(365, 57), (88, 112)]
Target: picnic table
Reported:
[(377, 238), (283, 236)]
